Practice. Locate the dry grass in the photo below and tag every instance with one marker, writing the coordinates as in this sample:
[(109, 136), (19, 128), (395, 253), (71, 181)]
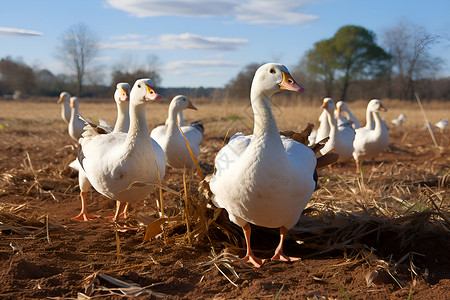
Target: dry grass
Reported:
[(348, 214)]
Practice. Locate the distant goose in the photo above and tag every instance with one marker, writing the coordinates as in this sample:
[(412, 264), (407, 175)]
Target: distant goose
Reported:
[(442, 124), (342, 107), (64, 99), (399, 120), (125, 167), (76, 124), (341, 137), (172, 141), (370, 142)]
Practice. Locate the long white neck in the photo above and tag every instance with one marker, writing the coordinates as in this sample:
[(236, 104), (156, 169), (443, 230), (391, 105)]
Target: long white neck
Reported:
[(332, 122), (172, 127), (265, 124), (378, 126), (369, 124), (353, 118), (180, 118), (123, 119), (74, 113), (138, 131), (65, 110)]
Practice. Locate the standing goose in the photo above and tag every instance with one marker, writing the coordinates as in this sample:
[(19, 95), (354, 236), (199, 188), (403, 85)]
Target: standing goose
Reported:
[(399, 120), (341, 137), (76, 125), (172, 141), (64, 99), (370, 142), (121, 97), (125, 166), (265, 179)]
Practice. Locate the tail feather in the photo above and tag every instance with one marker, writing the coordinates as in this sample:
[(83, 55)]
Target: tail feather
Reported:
[(197, 125)]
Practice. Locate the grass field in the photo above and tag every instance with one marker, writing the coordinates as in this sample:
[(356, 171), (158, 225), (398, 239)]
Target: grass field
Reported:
[(375, 235)]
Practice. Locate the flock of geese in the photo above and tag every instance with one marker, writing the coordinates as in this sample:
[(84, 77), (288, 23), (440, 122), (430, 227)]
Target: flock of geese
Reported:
[(264, 178)]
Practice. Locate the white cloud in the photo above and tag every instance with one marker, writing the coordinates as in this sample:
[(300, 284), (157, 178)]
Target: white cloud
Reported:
[(129, 36), (197, 42), (185, 41), (184, 66), (7, 32), (245, 11)]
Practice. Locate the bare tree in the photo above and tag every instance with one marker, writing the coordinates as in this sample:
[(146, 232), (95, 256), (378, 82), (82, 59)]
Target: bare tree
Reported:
[(409, 46), (77, 49)]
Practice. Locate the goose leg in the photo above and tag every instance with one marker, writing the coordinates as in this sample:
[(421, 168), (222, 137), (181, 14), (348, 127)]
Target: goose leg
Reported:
[(83, 215), (357, 166), (250, 257), (117, 214), (279, 254), (123, 214)]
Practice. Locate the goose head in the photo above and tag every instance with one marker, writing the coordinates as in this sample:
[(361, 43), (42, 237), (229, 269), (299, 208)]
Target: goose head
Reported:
[(271, 78), (73, 102), (63, 97), (375, 105), (180, 103), (328, 105), (122, 94), (143, 92), (341, 106)]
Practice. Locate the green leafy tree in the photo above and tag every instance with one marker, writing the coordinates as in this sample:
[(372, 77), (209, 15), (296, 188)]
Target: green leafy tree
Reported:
[(351, 54)]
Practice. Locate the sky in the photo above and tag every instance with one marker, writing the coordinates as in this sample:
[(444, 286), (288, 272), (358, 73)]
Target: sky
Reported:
[(199, 43)]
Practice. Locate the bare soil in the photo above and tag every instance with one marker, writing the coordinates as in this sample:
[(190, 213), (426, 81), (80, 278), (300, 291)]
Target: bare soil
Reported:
[(46, 254)]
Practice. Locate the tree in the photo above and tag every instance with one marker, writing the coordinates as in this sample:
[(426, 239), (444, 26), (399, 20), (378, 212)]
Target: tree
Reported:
[(351, 54), (78, 48), (409, 46), (129, 71), (321, 61), (16, 76)]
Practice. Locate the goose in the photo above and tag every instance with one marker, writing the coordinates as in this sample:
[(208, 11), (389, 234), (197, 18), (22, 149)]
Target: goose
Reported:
[(442, 124), (342, 107), (324, 127), (399, 120), (125, 166), (64, 99), (264, 179), (76, 125), (172, 141), (340, 137), (369, 142), (121, 97)]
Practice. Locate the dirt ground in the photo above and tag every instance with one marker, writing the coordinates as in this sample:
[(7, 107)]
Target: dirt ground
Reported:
[(46, 254)]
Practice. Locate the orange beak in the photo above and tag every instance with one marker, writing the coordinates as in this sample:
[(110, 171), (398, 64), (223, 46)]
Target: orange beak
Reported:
[(191, 106), (124, 95), (382, 108), (151, 94), (289, 84)]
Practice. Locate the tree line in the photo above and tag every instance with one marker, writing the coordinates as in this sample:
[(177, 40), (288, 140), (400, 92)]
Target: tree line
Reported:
[(349, 65)]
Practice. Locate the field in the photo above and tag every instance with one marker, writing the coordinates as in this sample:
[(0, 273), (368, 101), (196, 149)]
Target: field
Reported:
[(375, 235)]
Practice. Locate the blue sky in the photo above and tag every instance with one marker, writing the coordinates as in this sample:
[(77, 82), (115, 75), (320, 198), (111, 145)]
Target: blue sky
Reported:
[(203, 43)]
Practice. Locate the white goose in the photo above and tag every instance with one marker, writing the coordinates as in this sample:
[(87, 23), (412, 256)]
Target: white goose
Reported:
[(341, 137), (442, 124), (370, 142), (342, 107), (125, 166), (76, 125), (399, 120), (64, 99), (265, 179), (172, 141), (121, 97)]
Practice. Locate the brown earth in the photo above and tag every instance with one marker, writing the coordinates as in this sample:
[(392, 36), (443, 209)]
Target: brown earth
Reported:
[(43, 253)]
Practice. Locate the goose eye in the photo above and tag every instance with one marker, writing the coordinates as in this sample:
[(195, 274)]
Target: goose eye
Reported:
[(272, 71), (139, 85)]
